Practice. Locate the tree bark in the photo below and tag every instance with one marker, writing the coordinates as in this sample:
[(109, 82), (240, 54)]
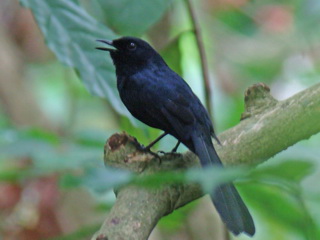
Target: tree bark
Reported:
[(268, 126)]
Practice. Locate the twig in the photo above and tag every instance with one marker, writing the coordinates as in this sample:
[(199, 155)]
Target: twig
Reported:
[(203, 59)]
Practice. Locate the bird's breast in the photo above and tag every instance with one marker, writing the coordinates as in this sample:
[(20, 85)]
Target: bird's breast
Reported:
[(129, 91)]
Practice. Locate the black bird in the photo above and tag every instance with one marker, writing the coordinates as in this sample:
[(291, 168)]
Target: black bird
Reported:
[(160, 98)]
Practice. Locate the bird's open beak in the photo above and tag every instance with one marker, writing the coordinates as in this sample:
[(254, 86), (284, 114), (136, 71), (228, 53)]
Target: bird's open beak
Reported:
[(110, 43)]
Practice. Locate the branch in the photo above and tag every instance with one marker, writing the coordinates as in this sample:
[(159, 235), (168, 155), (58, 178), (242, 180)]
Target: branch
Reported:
[(268, 126), (203, 59)]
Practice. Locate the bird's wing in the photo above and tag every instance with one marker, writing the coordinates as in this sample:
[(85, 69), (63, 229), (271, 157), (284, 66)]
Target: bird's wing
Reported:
[(172, 101), (169, 106), (179, 114)]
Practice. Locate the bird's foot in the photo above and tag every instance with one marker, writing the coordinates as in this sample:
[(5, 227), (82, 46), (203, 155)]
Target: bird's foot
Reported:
[(171, 153), (148, 150)]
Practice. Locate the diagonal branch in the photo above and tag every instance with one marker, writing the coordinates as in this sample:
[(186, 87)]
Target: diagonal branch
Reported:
[(268, 126)]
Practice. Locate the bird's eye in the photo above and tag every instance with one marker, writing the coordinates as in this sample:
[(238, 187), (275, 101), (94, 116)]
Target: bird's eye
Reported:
[(132, 46)]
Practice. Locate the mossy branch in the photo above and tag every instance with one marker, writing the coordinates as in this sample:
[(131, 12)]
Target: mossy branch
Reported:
[(267, 127)]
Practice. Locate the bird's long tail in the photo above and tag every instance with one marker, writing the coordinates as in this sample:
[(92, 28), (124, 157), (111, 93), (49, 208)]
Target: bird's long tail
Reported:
[(226, 198)]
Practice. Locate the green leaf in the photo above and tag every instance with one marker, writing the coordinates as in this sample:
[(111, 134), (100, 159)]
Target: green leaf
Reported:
[(84, 232), (279, 207), (292, 171), (237, 21), (48, 152), (261, 69), (11, 175), (278, 196), (104, 179), (92, 137), (70, 32), (211, 177), (70, 181), (132, 17), (159, 178)]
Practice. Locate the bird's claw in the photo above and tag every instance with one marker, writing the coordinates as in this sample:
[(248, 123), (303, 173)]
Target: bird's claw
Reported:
[(166, 153), (148, 150)]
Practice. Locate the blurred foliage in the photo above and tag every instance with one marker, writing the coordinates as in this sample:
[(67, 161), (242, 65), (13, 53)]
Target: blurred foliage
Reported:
[(70, 33), (246, 42), (85, 232), (277, 187), (128, 17)]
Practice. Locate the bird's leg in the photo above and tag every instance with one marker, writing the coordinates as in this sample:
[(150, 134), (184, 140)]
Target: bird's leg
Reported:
[(150, 145), (174, 150)]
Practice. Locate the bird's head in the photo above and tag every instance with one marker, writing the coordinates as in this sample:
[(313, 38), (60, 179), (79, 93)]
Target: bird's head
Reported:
[(130, 52)]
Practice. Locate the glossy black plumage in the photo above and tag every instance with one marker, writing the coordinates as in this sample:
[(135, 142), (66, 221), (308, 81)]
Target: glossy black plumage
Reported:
[(160, 98)]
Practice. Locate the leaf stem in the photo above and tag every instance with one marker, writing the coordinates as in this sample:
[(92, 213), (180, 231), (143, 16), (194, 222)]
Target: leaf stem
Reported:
[(203, 59)]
